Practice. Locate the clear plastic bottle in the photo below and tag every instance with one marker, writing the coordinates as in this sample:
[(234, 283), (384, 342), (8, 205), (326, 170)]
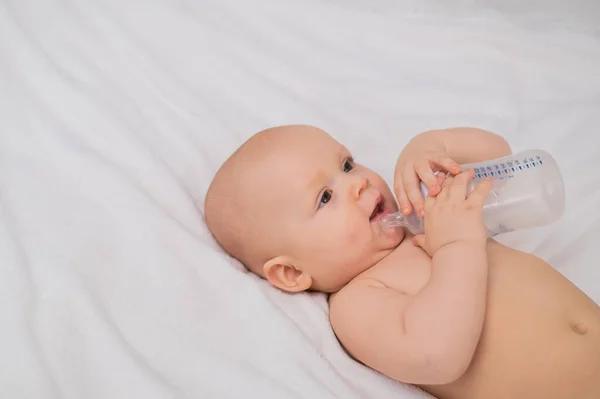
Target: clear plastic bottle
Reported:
[(527, 191)]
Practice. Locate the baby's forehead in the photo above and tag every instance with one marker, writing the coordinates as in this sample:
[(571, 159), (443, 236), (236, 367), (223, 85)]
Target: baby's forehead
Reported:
[(287, 161), (301, 160), (319, 149), (288, 174)]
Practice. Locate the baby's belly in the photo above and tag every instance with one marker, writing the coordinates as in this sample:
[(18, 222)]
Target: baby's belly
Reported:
[(541, 337)]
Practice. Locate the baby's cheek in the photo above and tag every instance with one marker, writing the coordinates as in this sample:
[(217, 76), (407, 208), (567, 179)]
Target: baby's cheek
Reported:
[(355, 234), (352, 235)]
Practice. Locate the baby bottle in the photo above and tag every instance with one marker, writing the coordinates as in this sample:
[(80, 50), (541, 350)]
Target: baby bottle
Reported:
[(527, 191)]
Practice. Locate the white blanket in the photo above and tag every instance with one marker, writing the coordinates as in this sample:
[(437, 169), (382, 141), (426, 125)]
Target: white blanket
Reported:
[(115, 115)]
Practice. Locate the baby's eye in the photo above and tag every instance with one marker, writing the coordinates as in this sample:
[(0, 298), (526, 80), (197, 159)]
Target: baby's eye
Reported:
[(325, 198), (348, 165)]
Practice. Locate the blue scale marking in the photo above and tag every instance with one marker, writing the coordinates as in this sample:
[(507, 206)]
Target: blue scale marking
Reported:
[(488, 171)]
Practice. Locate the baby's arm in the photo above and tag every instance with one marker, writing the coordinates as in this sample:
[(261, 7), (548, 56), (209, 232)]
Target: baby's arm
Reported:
[(462, 144), (429, 338)]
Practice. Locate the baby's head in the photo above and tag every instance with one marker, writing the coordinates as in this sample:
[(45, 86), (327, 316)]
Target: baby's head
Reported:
[(293, 206)]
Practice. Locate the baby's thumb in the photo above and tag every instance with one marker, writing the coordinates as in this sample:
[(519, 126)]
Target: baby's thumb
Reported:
[(419, 240)]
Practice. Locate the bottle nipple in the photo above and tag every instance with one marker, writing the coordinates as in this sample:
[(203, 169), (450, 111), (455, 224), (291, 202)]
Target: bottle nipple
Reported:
[(393, 220), (412, 222)]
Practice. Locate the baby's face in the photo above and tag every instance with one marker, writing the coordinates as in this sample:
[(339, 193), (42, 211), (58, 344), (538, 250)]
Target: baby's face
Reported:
[(326, 208)]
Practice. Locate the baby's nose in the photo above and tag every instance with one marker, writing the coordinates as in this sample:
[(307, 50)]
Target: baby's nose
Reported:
[(359, 185)]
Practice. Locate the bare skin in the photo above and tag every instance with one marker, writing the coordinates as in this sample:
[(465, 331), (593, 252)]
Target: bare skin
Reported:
[(450, 311), (541, 336)]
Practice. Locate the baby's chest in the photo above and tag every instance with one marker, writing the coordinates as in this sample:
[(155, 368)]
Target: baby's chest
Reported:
[(406, 271)]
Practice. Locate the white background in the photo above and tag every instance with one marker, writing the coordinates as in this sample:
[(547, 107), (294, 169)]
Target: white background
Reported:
[(115, 115)]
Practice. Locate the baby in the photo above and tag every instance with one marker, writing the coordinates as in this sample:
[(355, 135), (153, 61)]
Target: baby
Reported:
[(455, 313)]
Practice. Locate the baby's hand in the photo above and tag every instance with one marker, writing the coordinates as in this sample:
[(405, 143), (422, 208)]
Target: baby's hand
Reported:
[(450, 217), (416, 166)]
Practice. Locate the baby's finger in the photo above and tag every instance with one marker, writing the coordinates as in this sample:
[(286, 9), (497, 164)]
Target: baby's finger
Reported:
[(429, 202), (403, 201), (412, 188), (458, 189), (445, 185), (441, 177), (419, 241), (446, 163), (423, 169), (478, 195)]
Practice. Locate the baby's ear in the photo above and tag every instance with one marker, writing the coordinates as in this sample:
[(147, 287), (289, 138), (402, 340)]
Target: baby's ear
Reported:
[(281, 272)]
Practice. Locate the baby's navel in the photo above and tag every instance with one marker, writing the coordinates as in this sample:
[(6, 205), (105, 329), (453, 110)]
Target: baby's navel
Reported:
[(579, 327)]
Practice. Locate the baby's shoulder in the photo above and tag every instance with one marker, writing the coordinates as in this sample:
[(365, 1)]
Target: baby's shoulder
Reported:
[(361, 307), (356, 288), (356, 294), (403, 272)]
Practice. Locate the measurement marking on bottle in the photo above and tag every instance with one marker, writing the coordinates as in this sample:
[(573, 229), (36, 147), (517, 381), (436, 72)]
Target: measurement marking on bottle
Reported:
[(505, 170)]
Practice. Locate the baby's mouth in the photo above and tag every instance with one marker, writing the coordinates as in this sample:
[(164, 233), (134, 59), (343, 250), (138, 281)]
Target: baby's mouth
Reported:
[(377, 211)]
